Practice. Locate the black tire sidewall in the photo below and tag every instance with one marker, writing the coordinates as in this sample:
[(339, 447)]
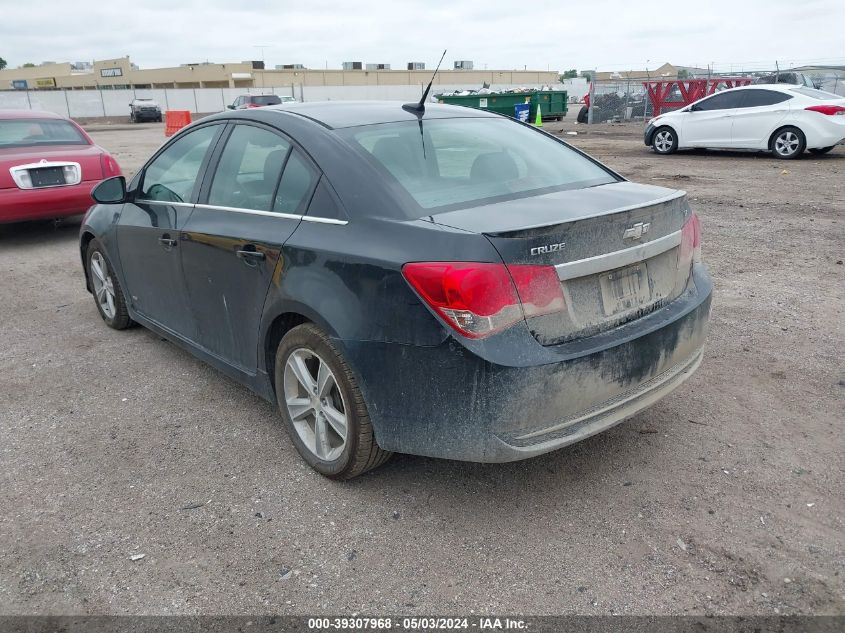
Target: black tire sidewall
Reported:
[(671, 150), (802, 143), (121, 319), (311, 338)]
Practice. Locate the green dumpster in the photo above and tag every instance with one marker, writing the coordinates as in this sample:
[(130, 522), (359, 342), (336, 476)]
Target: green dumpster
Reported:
[(553, 103)]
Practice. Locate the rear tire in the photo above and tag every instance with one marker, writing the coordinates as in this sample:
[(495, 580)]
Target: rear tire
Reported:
[(664, 141), (821, 150), (788, 143), (322, 406), (108, 295)]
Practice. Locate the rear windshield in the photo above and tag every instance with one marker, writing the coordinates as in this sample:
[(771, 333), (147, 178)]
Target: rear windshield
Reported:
[(821, 95), (264, 100), (32, 132), (467, 161)]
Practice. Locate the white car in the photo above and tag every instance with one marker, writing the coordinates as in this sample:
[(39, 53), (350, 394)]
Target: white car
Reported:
[(781, 118)]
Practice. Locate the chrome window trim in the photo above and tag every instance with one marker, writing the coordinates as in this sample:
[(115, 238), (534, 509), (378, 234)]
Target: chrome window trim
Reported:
[(17, 169), (164, 203), (272, 214), (617, 259)]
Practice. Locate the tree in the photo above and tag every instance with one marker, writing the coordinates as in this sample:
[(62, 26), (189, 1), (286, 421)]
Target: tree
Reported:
[(569, 74), (683, 73), (2, 63), (29, 65), (587, 76)]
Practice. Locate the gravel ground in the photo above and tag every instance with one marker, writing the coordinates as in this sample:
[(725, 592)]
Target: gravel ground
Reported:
[(726, 497)]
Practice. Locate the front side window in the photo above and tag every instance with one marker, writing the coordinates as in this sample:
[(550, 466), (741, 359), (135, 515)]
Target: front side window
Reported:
[(34, 132), (470, 161), (722, 101), (248, 172), (171, 176)]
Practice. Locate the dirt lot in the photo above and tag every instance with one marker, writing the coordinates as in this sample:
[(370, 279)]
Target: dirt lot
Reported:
[(726, 497)]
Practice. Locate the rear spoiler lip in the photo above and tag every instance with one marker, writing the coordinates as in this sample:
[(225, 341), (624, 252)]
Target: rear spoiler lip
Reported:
[(675, 195)]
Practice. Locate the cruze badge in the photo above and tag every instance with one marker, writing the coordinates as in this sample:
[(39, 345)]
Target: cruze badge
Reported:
[(550, 248), (636, 231)]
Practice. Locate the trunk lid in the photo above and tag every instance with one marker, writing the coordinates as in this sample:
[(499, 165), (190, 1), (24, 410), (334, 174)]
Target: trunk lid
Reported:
[(618, 250), (88, 157)]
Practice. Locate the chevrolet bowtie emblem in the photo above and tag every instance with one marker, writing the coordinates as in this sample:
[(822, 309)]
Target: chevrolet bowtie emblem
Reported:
[(636, 231)]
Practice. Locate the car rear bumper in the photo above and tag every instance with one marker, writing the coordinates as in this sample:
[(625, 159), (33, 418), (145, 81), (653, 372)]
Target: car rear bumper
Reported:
[(20, 205), (446, 401)]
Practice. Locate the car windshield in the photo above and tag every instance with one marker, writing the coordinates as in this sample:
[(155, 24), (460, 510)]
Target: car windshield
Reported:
[(32, 132), (821, 95), (266, 100), (468, 161)]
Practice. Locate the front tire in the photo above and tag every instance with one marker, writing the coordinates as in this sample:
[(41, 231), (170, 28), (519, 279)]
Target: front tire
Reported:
[(664, 141), (788, 143), (322, 406), (821, 150), (108, 295)]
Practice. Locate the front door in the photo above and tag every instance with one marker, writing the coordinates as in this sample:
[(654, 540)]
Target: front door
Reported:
[(149, 231), (232, 244), (708, 122)]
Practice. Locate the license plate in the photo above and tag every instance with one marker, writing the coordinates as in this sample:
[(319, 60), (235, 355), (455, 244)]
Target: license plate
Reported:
[(625, 289), (47, 176)]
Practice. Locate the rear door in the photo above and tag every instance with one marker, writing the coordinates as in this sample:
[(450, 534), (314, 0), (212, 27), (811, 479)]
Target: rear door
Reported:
[(252, 201), (149, 230), (708, 123), (759, 114)]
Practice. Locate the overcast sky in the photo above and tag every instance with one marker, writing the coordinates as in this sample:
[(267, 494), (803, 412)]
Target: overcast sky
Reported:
[(496, 34)]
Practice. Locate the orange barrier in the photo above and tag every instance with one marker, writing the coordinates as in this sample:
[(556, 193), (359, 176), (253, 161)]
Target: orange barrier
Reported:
[(175, 120)]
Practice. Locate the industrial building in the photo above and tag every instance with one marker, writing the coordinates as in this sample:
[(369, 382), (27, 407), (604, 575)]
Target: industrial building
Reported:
[(121, 73)]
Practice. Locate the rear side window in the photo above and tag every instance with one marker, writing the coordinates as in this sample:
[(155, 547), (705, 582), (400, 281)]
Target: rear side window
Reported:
[(722, 101), (171, 176), (468, 161), (295, 188), (754, 98), (249, 169)]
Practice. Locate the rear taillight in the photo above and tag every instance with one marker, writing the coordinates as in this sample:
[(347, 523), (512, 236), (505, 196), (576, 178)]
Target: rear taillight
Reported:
[(109, 166), (691, 238), (478, 299), (830, 110)]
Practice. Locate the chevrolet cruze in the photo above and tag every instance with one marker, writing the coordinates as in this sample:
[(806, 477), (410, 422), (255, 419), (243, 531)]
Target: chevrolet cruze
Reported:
[(445, 282)]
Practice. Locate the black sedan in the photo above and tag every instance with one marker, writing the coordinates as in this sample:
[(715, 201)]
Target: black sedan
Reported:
[(450, 283)]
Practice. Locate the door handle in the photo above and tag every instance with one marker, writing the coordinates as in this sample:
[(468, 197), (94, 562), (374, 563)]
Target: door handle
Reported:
[(167, 242), (250, 257)]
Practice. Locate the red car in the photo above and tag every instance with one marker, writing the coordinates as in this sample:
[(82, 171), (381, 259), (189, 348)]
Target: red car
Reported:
[(48, 166)]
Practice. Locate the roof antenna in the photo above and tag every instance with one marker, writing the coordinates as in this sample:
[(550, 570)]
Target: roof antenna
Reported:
[(419, 108)]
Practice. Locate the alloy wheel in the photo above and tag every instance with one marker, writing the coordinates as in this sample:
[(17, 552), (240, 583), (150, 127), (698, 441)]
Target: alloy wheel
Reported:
[(787, 143), (103, 284), (663, 141), (315, 404)]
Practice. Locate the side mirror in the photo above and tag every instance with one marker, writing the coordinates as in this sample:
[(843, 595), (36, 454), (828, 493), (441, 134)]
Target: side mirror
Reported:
[(110, 191), (693, 108), (231, 107)]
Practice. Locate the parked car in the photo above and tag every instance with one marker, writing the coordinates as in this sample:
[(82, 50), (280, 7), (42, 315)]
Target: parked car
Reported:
[(781, 118), (257, 101), (48, 166), (144, 110), (454, 284)]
